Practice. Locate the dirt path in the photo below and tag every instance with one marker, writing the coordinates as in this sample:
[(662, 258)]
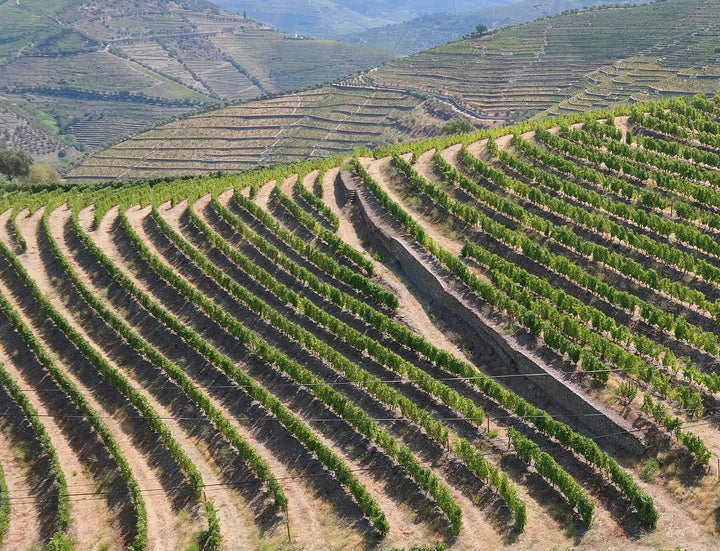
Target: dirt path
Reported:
[(451, 154), (310, 179), (623, 124), (4, 233), (378, 170), (402, 523), (262, 197), (475, 148), (90, 520), (225, 500), (410, 310), (424, 166), (24, 526), (287, 185), (503, 142), (163, 521), (226, 196), (312, 527)]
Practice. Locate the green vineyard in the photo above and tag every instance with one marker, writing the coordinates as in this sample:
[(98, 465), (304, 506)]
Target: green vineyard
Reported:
[(491, 340)]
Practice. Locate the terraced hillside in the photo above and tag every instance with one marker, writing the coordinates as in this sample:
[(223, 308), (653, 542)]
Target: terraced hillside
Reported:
[(551, 66), (569, 63), (499, 340), (427, 31), (93, 72), (313, 124)]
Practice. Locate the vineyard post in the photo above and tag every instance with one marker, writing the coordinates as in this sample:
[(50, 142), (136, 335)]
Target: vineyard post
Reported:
[(488, 424), (287, 525), (718, 467)]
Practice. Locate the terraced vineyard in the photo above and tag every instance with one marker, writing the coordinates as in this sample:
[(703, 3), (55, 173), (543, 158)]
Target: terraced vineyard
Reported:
[(560, 65), (573, 62), (80, 75), (506, 339), (312, 124)]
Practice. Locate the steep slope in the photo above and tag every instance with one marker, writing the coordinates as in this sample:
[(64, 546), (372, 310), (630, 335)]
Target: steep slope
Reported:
[(101, 71), (327, 121), (524, 70), (563, 64), (504, 340), (430, 30)]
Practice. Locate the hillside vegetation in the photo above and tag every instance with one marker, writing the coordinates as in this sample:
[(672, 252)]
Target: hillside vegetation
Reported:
[(427, 31), (574, 62), (81, 74), (498, 340), (313, 124)]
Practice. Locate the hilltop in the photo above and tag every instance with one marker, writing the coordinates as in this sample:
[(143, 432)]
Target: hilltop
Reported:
[(498, 340), (81, 74)]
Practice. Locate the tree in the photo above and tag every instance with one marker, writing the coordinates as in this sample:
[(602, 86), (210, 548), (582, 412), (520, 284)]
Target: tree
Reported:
[(480, 30), (458, 126), (15, 163), (41, 174)]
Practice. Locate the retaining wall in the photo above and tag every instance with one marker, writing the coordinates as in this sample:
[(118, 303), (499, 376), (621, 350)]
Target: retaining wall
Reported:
[(505, 354)]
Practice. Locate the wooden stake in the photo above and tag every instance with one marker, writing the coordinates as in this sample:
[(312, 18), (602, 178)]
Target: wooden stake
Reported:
[(488, 423), (287, 524)]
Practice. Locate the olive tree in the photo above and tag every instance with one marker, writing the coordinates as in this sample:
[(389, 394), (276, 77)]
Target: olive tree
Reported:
[(458, 126)]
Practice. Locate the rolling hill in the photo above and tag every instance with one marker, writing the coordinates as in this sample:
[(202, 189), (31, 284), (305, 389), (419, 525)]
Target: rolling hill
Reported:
[(80, 74), (500, 340)]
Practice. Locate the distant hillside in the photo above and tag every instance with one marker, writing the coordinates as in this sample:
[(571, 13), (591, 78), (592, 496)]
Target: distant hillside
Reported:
[(556, 65), (593, 58), (324, 122), (82, 74), (430, 30), (336, 18)]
